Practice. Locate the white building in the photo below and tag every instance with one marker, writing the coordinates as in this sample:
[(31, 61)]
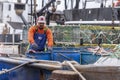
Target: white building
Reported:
[(8, 12), (10, 15)]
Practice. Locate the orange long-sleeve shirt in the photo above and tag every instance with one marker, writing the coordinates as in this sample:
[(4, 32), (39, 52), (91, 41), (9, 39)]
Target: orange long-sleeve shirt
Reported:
[(33, 29)]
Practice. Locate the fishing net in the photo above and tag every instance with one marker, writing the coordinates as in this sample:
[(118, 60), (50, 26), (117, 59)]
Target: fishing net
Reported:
[(87, 34), (115, 52)]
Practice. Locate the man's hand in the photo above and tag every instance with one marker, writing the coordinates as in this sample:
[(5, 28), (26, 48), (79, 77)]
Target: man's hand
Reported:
[(49, 49), (34, 46), (31, 51)]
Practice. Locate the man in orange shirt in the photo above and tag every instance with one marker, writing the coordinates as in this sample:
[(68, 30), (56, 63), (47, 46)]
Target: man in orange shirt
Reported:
[(38, 35)]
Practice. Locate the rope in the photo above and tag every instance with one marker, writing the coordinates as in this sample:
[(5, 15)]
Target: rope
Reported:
[(82, 77), (65, 56), (16, 67)]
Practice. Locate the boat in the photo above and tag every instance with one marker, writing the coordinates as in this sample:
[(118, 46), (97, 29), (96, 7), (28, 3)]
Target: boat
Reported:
[(104, 13), (20, 68), (72, 45), (105, 68)]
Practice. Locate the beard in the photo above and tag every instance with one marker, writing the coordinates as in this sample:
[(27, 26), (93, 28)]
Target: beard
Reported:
[(40, 27)]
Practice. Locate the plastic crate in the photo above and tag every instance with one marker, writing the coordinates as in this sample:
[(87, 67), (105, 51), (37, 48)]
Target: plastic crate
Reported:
[(39, 55), (66, 55), (89, 57), (66, 48)]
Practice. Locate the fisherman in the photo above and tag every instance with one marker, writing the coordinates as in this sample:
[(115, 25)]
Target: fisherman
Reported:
[(38, 35)]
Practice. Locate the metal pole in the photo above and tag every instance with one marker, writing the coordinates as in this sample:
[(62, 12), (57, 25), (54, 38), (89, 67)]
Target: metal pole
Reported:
[(26, 1), (13, 37), (35, 11), (65, 4), (112, 15), (71, 4), (77, 4), (84, 5), (42, 3), (24, 20)]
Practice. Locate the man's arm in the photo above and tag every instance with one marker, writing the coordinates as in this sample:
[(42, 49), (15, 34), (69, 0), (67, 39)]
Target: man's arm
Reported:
[(49, 38), (31, 35)]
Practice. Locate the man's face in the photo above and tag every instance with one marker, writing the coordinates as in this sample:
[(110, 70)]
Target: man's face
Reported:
[(40, 25)]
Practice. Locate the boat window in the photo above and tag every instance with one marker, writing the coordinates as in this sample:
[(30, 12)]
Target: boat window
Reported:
[(9, 8), (20, 6)]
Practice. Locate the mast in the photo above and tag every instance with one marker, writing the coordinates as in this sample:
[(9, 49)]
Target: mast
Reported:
[(35, 11), (32, 12), (113, 14)]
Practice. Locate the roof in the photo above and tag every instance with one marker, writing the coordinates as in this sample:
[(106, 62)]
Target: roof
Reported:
[(16, 25)]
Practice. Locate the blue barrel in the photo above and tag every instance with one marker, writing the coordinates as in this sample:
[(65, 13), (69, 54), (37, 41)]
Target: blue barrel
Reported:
[(23, 73), (66, 55), (89, 57), (39, 55)]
